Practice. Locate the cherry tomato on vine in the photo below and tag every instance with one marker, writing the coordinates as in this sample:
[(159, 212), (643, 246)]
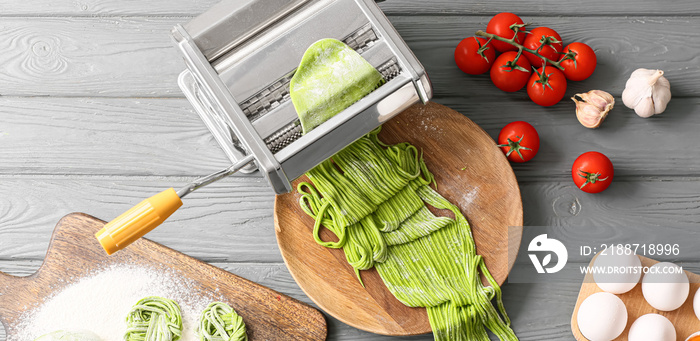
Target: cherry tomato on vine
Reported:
[(583, 63), (500, 26), (472, 61), (592, 172), (546, 86), (536, 37), (509, 76), (519, 141)]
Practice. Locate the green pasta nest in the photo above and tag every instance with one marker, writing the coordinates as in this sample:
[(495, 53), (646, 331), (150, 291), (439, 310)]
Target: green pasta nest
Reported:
[(219, 322), (154, 318)]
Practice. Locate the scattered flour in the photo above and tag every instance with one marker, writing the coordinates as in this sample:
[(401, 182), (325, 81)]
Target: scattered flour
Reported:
[(101, 301), (469, 197)]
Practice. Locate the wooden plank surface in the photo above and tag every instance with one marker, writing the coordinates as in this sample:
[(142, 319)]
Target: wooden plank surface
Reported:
[(83, 82), (105, 8), (65, 56), (240, 224), (651, 42), (167, 138), (232, 220), (134, 56)]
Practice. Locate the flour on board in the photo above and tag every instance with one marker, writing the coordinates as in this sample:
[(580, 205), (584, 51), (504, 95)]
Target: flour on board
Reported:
[(101, 301)]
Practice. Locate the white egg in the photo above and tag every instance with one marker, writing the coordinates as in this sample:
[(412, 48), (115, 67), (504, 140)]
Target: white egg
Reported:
[(693, 337), (696, 304), (618, 270), (665, 286), (602, 317), (652, 327)]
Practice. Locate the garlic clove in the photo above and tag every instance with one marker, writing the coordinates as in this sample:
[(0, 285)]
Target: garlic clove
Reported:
[(593, 107), (635, 92), (661, 95), (588, 115), (645, 107), (663, 82), (601, 99)]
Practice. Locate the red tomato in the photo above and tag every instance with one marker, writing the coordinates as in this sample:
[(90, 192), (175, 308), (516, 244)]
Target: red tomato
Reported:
[(519, 141), (547, 86), (500, 26), (534, 40), (592, 172), (583, 63), (468, 58), (509, 78)]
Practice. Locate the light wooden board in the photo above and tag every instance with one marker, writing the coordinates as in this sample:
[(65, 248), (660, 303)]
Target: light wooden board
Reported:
[(683, 318), (60, 57), (74, 252), (470, 171)]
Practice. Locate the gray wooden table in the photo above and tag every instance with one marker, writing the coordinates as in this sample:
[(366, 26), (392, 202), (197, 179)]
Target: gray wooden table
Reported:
[(92, 120)]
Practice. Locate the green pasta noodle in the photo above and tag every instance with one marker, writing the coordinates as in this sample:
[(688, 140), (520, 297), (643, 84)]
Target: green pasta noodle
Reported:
[(219, 322), (373, 197), (398, 208), (424, 260), (420, 224), (154, 318)]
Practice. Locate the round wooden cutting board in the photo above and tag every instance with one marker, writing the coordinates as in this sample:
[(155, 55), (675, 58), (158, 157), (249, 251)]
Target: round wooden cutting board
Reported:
[(471, 172)]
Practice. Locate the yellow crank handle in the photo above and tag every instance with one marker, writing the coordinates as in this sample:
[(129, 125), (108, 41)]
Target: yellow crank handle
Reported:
[(139, 220), (148, 214)]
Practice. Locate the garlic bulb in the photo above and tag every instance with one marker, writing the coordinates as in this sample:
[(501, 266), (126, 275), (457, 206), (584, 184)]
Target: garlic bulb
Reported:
[(592, 107), (647, 92)]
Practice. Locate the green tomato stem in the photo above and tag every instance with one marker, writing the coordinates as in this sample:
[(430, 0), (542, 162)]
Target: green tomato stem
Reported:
[(591, 178), (515, 146), (521, 48)]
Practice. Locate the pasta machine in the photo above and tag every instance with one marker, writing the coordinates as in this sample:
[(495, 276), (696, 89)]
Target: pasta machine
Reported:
[(240, 57)]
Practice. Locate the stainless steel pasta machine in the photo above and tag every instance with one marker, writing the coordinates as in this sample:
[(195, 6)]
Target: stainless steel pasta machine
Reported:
[(240, 57)]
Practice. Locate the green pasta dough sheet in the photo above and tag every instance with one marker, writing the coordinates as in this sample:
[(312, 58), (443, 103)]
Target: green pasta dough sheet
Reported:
[(331, 77)]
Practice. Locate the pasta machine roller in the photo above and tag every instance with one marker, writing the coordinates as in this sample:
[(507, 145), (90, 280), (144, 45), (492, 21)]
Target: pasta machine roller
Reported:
[(240, 57)]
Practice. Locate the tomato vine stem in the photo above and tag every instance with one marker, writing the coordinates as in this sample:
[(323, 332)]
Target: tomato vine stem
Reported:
[(522, 48)]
